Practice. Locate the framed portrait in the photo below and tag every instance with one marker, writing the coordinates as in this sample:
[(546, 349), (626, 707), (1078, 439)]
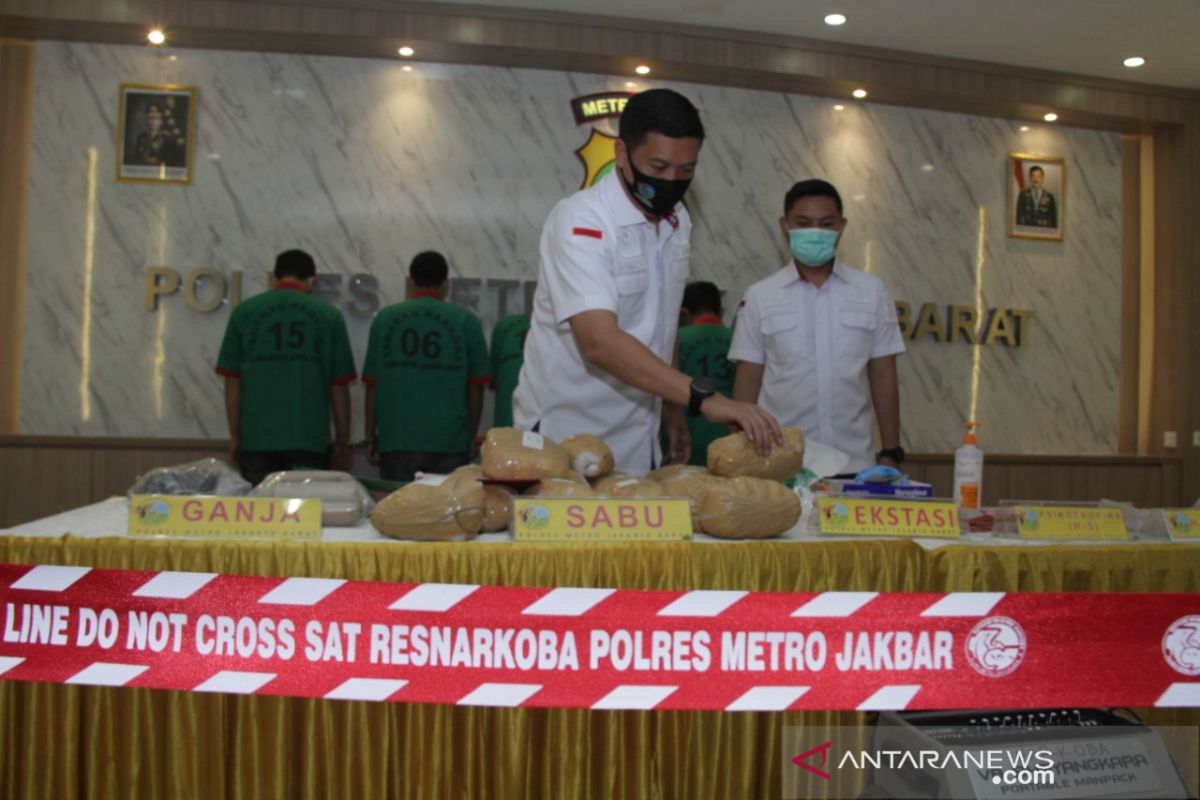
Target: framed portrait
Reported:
[(1037, 196), (156, 134)]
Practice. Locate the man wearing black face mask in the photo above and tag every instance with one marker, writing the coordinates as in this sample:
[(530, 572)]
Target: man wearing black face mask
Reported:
[(614, 262)]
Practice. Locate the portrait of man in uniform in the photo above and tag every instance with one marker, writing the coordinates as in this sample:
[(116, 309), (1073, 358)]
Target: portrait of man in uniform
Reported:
[(1035, 195), (158, 128)]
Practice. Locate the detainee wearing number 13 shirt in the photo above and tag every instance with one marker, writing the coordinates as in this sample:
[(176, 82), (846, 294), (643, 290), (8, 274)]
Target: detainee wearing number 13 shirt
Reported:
[(286, 361), (425, 372), (614, 259)]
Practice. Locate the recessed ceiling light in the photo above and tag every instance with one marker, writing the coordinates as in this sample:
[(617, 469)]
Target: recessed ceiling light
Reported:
[(839, 107), (1134, 61), (642, 70), (835, 19), (406, 51), (630, 85), (172, 58), (860, 93), (927, 168), (1024, 128), (1050, 117), (156, 36), (406, 68)]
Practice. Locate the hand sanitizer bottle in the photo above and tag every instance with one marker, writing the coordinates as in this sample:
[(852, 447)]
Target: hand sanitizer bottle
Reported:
[(968, 472)]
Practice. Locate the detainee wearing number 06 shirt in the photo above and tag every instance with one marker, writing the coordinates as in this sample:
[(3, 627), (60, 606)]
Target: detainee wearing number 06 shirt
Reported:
[(613, 263)]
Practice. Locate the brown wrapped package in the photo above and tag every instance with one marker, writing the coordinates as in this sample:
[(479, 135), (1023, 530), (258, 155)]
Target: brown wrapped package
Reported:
[(497, 504), (589, 455), (733, 455), (690, 482), (748, 508), (560, 487), (624, 486), (434, 509), (672, 471), (512, 455)]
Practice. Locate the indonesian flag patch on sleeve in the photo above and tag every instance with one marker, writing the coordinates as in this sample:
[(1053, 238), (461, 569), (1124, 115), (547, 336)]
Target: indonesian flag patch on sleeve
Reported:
[(592, 232)]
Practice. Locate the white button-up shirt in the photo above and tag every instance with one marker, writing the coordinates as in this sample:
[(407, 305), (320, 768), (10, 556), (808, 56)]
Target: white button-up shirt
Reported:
[(814, 344), (598, 251)]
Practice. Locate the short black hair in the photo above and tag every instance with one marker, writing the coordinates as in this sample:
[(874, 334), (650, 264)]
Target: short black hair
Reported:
[(702, 296), (1034, 169), (813, 187), (295, 264), (662, 111), (428, 269)]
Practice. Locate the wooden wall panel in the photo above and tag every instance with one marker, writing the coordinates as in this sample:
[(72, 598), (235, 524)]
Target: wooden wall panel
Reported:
[(16, 131)]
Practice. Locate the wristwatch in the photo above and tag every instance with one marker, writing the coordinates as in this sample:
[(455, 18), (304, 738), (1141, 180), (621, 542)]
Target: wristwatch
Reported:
[(894, 453), (701, 389)]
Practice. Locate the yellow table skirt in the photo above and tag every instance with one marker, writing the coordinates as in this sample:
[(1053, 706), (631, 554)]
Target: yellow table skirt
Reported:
[(89, 742)]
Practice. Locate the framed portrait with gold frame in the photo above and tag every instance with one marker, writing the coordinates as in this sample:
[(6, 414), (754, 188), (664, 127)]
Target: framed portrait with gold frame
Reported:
[(156, 133), (1037, 193)]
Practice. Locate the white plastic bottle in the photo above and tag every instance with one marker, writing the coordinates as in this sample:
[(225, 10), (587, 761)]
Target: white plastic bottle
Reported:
[(968, 472)]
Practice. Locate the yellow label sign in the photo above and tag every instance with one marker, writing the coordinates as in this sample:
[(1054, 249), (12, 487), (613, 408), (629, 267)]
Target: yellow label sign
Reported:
[(562, 519), (1183, 523), (225, 517), (862, 516), (1056, 522)]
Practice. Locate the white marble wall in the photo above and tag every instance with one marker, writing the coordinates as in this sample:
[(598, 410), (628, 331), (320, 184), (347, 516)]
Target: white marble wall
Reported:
[(364, 164)]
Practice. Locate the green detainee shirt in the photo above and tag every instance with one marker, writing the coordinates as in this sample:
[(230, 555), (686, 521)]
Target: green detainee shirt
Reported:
[(287, 348), (703, 353), (421, 356), (508, 354)]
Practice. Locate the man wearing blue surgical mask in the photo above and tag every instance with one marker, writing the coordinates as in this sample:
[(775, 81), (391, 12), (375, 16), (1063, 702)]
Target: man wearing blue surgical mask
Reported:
[(816, 343)]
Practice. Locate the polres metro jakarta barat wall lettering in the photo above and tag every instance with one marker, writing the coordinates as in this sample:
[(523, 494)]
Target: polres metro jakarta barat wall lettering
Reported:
[(205, 289)]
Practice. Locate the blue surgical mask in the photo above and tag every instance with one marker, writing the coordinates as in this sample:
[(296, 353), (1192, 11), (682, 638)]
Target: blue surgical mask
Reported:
[(813, 246)]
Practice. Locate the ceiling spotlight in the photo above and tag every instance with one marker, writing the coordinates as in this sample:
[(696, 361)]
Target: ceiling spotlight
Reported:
[(642, 70), (156, 36), (630, 85), (406, 68), (835, 19), (1134, 61), (839, 107), (172, 58), (1024, 128), (860, 93), (406, 51), (1050, 117)]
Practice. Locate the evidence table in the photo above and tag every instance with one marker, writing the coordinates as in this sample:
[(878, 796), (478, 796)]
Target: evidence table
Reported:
[(120, 742)]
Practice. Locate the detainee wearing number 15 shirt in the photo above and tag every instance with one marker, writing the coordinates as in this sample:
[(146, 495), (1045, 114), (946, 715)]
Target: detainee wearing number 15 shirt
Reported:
[(286, 361), (425, 371), (613, 263)]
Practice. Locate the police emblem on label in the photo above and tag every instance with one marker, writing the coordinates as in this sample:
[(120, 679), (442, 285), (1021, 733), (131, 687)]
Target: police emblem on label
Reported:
[(996, 646), (1181, 645)]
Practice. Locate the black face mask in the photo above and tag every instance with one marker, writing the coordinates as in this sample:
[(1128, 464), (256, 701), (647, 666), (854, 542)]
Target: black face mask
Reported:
[(657, 195)]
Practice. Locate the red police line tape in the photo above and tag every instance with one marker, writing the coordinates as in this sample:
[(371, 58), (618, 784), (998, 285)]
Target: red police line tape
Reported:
[(595, 648)]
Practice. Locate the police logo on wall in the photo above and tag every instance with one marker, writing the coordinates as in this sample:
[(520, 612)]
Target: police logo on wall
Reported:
[(996, 646), (598, 153)]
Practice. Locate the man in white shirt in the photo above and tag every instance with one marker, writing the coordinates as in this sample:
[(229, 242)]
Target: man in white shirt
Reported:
[(614, 261), (817, 341)]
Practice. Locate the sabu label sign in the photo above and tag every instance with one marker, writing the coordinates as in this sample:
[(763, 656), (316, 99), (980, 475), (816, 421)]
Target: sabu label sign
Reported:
[(225, 517), (561, 519)]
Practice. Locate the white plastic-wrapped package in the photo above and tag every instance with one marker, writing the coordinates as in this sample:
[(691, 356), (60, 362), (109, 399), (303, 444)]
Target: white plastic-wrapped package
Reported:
[(344, 501), (512, 455), (589, 455), (203, 476), (748, 508), (733, 455), (434, 508)]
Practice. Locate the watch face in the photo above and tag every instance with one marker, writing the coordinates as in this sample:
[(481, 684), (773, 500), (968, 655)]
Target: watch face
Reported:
[(704, 386)]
